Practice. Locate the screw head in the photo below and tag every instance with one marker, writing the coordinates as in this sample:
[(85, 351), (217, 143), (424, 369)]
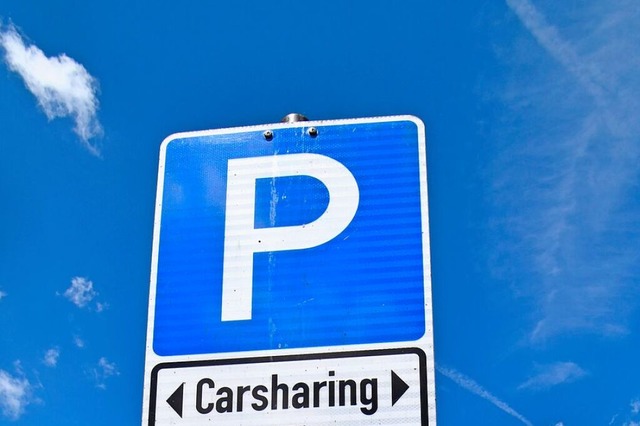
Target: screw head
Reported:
[(313, 132), (268, 135)]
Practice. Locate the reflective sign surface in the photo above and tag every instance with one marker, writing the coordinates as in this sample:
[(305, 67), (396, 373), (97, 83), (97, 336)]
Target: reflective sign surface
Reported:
[(362, 283), (290, 277)]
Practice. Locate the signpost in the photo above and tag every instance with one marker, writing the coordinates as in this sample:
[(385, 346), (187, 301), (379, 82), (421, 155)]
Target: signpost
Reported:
[(290, 278)]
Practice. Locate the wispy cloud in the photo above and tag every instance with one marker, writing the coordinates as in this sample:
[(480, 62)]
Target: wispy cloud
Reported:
[(15, 395), (81, 293), (77, 340), (51, 357), (2, 294), (104, 370), (62, 86), (587, 74), (571, 163), (554, 374), (629, 418), (473, 387), (101, 306)]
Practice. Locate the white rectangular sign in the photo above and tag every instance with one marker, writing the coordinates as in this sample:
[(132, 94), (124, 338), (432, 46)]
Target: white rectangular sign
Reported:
[(374, 387)]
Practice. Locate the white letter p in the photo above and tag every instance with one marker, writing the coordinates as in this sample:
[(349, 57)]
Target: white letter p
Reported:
[(242, 239)]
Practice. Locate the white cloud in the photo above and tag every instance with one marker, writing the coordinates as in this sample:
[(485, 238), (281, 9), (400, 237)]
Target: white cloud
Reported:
[(81, 292), (473, 387), (568, 167), (634, 406), (62, 86), (553, 374), (2, 294), (77, 340), (108, 368), (15, 395), (103, 371), (51, 357), (101, 306)]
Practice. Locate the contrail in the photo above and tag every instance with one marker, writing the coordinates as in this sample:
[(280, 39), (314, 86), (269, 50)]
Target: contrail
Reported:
[(549, 38), (592, 160), (473, 387)]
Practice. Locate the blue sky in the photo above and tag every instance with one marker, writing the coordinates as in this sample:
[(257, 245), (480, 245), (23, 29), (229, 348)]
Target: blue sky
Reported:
[(532, 145)]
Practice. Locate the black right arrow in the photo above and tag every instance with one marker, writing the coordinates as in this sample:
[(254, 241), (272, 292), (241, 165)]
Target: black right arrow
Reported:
[(398, 388), (175, 400)]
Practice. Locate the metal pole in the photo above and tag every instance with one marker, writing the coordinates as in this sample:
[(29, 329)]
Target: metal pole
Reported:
[(294, 117)]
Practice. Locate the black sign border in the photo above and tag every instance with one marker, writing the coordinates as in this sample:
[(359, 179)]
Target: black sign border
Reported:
[(424, 417)]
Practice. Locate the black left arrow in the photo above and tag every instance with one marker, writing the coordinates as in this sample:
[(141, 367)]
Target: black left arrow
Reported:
[(175, 400)]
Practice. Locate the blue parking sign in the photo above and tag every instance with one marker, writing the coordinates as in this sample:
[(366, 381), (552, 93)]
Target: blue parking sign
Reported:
[(290, 279), (296, 238)]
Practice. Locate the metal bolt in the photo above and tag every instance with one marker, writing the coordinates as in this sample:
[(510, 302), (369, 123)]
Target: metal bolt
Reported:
[(313, 132), (268, 135)]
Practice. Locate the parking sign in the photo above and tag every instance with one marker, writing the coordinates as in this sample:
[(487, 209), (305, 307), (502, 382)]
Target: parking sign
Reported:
[(291, 277)]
